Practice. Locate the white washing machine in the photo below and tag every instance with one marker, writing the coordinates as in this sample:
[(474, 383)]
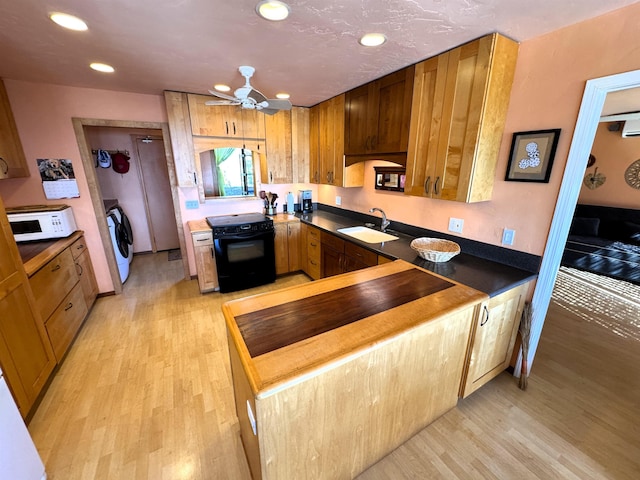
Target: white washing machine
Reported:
[(126, 231), (120, 246)]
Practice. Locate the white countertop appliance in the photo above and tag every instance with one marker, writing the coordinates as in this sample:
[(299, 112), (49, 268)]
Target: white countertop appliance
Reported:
[(19, 458), (41, 222)]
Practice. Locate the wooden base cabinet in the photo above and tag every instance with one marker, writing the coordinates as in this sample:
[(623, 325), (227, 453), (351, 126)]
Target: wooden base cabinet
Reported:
[(287, 246), (493, 336), (343, 416), (459, 107), (85, 271), (26, 356), (340, 256), (202, 238), (312, 263)]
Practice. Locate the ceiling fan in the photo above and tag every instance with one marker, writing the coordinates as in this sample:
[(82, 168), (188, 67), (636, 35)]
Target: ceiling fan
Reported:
[(248, 97)]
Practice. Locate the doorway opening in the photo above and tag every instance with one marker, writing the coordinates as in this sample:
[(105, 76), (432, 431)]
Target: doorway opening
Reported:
[(593, 99), (147, 191)]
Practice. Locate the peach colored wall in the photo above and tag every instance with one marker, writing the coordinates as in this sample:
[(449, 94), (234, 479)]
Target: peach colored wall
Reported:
[(613, 155), (550, 77), (43, 115)]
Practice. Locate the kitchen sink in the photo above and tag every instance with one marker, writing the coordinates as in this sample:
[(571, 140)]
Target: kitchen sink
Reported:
[(368, 235)]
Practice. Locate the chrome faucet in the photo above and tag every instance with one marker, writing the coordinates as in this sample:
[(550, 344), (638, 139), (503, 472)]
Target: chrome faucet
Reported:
[(385, 223)]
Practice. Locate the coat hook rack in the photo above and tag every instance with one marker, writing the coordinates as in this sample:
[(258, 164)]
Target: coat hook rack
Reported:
[(112, 152)]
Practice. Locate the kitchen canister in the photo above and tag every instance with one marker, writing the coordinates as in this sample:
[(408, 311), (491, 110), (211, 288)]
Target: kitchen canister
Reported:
[(290, 203)]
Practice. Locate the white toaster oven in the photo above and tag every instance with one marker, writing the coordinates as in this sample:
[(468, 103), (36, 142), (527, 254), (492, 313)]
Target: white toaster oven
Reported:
[(41, 222)]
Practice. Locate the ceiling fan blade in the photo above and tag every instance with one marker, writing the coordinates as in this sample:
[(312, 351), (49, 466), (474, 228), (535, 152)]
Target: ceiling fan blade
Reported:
[(278, 104), (269, 111), (222, 102), (256, 95), (223, 95)]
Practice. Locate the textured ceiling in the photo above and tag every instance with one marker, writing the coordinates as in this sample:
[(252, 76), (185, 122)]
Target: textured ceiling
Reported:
[(188, 45)]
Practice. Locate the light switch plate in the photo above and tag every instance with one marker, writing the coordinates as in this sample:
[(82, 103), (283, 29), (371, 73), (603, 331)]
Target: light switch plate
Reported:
[(508, 236)]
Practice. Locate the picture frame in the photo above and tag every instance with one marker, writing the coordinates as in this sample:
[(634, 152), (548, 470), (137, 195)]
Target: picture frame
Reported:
[(531, 155), (390, 178)]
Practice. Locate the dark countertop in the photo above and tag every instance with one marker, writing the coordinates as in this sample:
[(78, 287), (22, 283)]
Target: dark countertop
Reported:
[(482, 274)]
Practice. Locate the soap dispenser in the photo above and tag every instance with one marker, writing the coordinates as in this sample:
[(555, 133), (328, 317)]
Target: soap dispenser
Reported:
[(290, 203)]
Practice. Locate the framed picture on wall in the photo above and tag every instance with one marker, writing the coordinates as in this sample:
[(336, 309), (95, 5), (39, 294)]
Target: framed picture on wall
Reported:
[(531, 156)]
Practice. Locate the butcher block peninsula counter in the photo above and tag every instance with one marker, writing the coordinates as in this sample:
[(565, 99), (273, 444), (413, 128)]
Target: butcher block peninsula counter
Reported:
[(331, 376)]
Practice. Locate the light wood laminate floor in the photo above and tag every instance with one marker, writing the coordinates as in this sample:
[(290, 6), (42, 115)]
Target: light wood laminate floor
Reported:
[(145, 393)]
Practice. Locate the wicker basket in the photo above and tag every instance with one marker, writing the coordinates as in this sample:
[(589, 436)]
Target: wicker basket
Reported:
[(435, 249)]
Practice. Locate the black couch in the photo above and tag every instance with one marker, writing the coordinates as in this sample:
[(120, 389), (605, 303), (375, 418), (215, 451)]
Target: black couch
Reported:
[(606, 241)]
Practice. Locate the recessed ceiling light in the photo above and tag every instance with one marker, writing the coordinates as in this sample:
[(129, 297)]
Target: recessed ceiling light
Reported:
[(222, 88), (69, 21), (273, 10), (373, 39), (102, 67), (282, 95)]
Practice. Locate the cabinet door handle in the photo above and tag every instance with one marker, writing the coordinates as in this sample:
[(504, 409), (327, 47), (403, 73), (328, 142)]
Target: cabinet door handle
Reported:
[(427, 183), (79, 269), (195, 178), (68, 307), (5, 166), (314, 244), (55, 267), (312, 262), (486, 316), (270, 177), (226, 126), (212, 254), (80, 247), (374, 142), (435, 186), (366, 143)]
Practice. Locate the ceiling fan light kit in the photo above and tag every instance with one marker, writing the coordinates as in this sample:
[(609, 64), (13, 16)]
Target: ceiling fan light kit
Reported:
[(250, 98), (273, 10), (222, 88), (102, 67)]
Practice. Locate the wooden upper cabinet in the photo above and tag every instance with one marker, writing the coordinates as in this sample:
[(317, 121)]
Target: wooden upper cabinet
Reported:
[(12, 160), (459, 106), (314, 144), (276, 166), (186, 161), (334, 170), (300, 139), (377, 115), (228, 121)]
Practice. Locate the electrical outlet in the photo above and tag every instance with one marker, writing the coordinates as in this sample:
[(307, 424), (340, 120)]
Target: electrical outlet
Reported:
[(338, 200), (508, 236), (455, 225), (192, 204)]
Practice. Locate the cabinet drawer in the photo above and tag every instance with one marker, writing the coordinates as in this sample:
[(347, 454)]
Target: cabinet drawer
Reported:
[(52, 282), (63, 325), (313, 268), (78, 248), (202, 238), (362, 254), (314, 233), (313, 248)]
